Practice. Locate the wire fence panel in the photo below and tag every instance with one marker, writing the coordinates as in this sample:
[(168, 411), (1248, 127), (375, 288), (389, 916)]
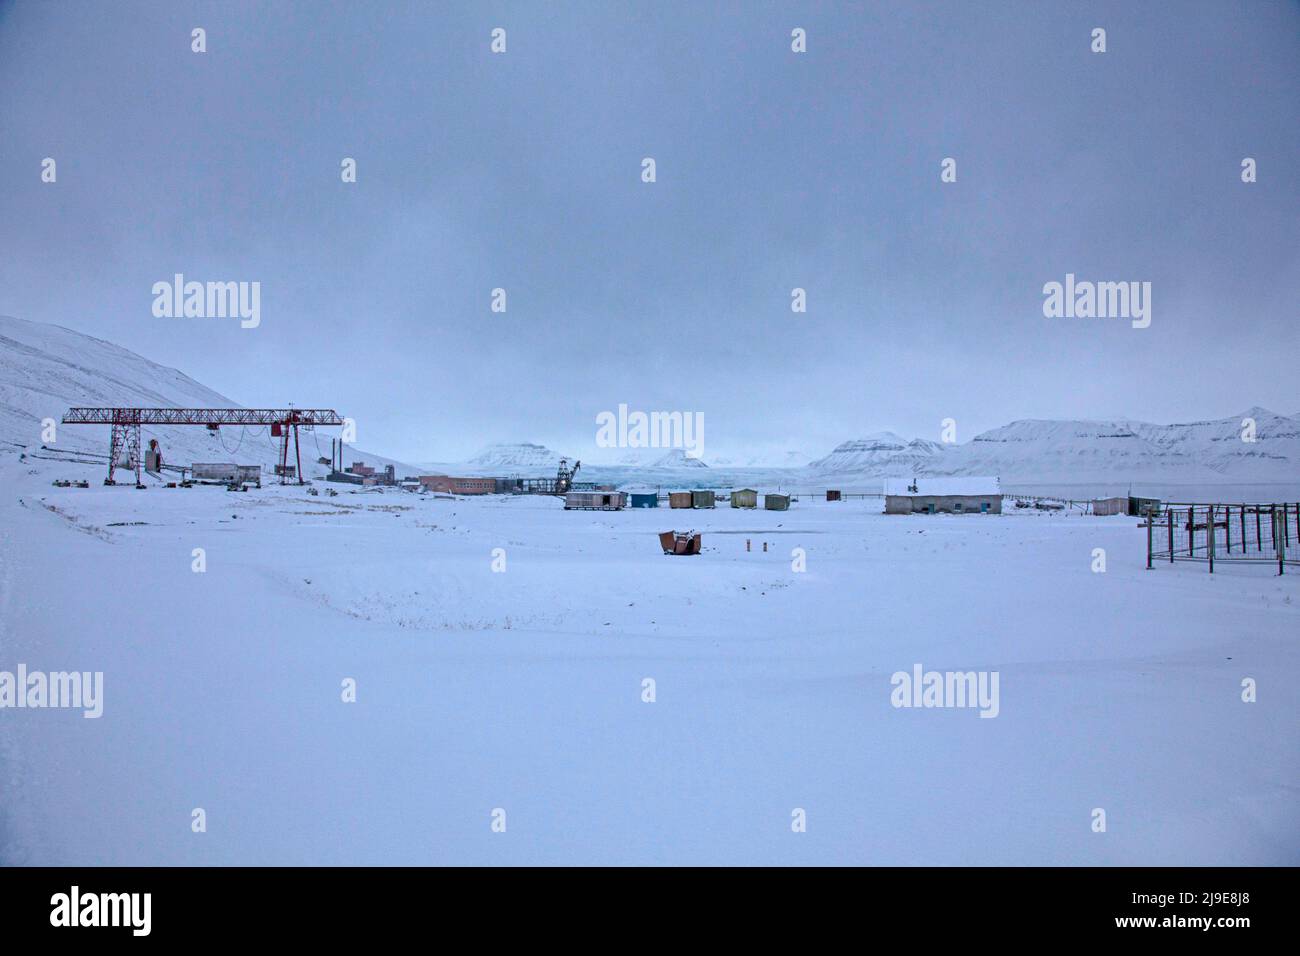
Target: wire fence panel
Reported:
[(1262, 533)]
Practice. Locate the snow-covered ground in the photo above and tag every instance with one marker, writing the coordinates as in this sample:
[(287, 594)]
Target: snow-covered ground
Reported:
[(523, 689)]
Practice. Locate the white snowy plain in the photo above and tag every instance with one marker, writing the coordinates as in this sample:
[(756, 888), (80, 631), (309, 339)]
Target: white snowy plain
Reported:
[(522, 690)]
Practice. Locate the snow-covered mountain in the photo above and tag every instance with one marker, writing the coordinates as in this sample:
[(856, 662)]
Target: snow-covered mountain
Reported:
[(1034, 450), (1221, 443), (45, 369), (1088, 451), (677, 458), (513, 456), (880, 455)]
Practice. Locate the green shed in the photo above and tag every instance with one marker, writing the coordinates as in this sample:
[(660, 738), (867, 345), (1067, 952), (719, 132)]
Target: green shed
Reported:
[(744, 498)]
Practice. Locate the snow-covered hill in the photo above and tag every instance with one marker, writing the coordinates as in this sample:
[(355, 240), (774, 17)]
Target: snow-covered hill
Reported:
[(1032, 450), (677, 458), (883, 454), (1220, 443), (509, 457), (45, 369), (1085, 451)]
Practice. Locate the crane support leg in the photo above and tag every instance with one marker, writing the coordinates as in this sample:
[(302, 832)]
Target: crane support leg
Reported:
[(287, 430), (123, 450)]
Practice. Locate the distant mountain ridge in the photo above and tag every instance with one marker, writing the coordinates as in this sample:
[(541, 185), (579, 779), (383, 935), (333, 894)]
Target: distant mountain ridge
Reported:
[(1066, 450), (44, 369)]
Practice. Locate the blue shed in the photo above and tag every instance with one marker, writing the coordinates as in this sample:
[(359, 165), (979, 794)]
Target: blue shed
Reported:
[(648, 500)]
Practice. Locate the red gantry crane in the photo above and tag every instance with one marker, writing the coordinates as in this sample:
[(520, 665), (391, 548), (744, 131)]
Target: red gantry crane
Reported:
[(124, 441)]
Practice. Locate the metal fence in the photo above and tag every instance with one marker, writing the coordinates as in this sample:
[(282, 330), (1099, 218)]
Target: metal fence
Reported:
[(1267, 534)]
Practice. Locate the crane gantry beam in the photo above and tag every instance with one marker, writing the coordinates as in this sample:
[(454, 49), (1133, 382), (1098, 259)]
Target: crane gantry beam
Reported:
[(126, 422), (202, 416)]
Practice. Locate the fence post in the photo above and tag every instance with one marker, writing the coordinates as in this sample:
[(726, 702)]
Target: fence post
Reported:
[(1209, 541), (1151, 520), (1170, 515), (1278, 543), (1227, 527)]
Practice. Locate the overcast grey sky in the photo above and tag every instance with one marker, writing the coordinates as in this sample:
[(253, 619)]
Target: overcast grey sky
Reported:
[(522, 170)]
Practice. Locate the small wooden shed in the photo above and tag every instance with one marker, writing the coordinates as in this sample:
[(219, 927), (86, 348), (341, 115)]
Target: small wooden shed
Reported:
[(1110, 506), (594, 501), (744, 498), (776, 502)]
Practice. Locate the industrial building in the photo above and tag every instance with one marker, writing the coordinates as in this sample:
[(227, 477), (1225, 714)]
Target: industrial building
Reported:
[(744, 498), (367, 475), (358, 473), (345, 477), (227, 473), (459, 486), (963, 495)]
